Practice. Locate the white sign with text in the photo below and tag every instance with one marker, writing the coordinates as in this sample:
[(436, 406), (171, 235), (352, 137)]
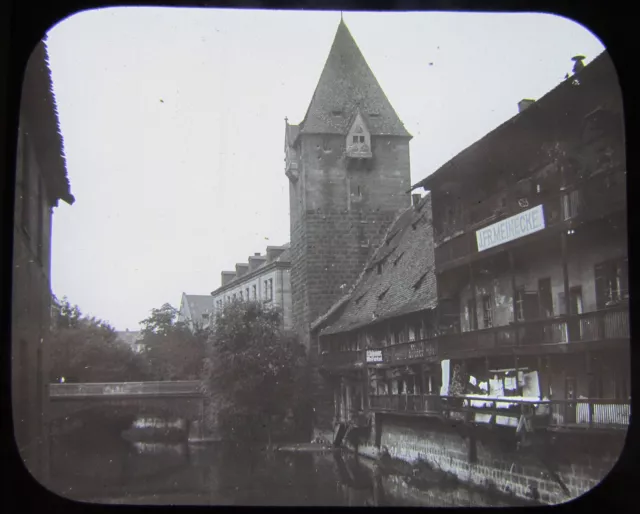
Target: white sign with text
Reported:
[(522, 224), (374, 355)]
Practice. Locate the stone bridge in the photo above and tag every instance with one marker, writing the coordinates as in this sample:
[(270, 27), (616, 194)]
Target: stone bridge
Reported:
[(183, 399)]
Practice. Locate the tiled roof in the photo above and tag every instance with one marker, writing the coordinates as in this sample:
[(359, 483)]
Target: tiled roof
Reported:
[(406, 282), (291, 134), (39, 108), (550, 110), (199, 305), (347, 83)]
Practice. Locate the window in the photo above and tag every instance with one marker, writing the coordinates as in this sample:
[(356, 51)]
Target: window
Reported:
[(545, 297), (520, 304), (611, 282), (471, 307), (241, 296), (575, 303), (247, 291), (571, 205), (255, 295), (268, 290), (487, 312)]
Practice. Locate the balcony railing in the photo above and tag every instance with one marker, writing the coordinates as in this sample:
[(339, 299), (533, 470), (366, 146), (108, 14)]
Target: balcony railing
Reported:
[(595, 197), (342, 359), (579, 413), (605, 325)]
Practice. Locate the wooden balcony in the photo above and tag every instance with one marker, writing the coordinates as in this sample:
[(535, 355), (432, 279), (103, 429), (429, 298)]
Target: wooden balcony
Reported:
[(596, 197), (610, 324), (414, 351), (342, 359), (503, 411)]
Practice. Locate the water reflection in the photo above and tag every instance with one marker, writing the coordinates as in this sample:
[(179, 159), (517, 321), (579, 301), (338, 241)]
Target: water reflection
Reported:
[(91, 467)]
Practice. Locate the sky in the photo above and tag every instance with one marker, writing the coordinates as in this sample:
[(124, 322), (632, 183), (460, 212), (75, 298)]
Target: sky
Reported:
[(173, 127)]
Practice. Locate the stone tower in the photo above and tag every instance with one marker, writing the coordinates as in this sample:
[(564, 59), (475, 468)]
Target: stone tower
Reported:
[(348, 168)]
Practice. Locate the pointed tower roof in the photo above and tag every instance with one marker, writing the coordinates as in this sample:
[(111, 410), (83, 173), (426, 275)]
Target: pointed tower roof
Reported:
[(346, 84)]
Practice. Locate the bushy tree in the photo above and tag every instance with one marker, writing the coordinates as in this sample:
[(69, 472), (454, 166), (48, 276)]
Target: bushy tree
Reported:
[(86, 349), (257, 371), (172, 350)]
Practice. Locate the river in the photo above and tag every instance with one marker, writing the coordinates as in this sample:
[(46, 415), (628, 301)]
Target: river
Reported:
[(96, 466)]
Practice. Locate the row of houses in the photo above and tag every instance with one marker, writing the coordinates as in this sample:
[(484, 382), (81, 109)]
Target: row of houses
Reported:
[(509, 278), (263, 278)]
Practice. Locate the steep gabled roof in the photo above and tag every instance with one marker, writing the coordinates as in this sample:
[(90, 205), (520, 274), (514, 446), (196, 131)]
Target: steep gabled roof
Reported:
[(347, 83), (39, 108), (198, 305), (399, 279)]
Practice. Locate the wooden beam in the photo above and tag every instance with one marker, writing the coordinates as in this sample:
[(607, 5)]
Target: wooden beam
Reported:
[(565, 280), (513, 293)]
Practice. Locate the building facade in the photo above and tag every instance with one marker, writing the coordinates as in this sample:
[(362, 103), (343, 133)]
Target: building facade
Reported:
[(41, 182), (349, 172), (196, 310), (528, 240), (264, 278), (132, 338)]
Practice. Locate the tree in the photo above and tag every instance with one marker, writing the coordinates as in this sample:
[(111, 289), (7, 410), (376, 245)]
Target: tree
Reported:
[(257, 371), (86, 349), (172, 350)]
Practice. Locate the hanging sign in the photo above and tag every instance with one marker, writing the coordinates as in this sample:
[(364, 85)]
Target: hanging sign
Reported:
[(522, 224), (374, 355)]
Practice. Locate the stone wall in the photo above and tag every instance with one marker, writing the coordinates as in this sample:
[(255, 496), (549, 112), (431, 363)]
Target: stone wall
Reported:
[(339, 215), (580, 461)]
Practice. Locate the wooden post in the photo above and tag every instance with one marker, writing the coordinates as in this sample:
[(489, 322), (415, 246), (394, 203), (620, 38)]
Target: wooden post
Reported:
[(590, 388), (515, 362), (565, 279), (473, 316), (366, 383), (514, 293)]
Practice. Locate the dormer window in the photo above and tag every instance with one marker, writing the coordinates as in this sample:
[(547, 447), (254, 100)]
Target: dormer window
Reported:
[(359, 140)]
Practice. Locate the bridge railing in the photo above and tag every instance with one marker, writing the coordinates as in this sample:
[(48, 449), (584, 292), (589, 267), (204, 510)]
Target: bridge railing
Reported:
[(126, 388)]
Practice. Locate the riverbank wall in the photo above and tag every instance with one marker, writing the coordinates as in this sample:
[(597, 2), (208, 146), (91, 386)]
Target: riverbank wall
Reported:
[(554, 469)]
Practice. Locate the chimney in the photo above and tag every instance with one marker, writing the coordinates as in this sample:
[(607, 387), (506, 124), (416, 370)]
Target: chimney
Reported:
[(256, 261), (227, 276), (273, 252), (415, 199), (524, 104), (242, 269)]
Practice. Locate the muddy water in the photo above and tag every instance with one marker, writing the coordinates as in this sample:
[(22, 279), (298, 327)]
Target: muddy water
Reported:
[(100, 467)]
